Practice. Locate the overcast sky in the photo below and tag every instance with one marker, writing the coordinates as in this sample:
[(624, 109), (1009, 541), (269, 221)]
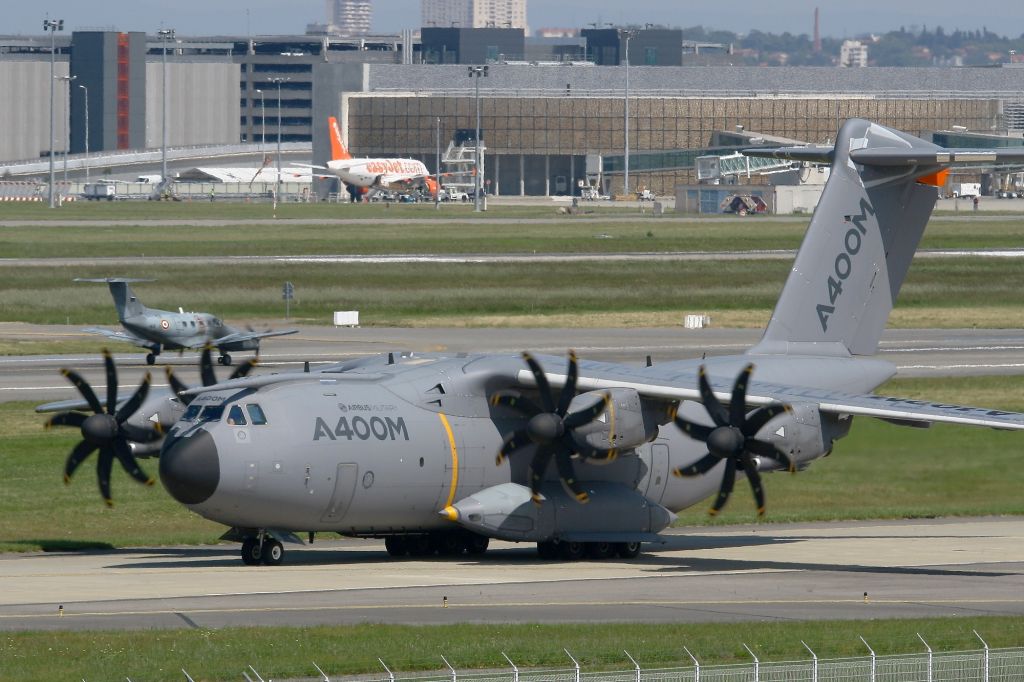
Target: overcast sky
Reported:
[(210, 17)]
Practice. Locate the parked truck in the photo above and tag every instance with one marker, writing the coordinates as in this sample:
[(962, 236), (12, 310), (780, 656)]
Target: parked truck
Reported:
[(965, 189), (94, 191)]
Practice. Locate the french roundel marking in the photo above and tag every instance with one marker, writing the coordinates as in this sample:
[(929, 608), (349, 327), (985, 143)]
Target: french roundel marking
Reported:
[(163, 323)]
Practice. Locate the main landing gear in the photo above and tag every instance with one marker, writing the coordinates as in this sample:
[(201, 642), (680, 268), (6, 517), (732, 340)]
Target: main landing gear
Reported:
[(262, 549), (574, 551), (224, 360), (443, 543)]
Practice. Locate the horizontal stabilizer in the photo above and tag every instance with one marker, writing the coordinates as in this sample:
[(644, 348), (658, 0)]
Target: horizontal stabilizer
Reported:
[(895, 156), (108, 280)]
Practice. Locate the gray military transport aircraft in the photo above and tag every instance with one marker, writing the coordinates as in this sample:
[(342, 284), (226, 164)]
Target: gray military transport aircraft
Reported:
[(157, 330), (438, 453)]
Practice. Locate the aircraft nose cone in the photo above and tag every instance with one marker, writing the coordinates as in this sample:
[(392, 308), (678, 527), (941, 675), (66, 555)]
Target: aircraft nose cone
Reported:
[(190, 468)]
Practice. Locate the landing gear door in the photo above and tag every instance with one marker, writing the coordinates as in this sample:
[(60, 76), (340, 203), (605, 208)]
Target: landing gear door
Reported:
[(344, 490), (657, 474)]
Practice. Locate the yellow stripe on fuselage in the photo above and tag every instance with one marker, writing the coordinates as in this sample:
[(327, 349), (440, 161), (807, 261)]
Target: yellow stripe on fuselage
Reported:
[(455, 457)]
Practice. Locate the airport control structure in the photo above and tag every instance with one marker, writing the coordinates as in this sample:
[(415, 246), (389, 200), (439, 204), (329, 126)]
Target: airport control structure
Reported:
[(552, 112)]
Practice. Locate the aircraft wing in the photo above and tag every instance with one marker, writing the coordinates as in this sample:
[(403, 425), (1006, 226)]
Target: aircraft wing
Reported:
[(116, 335), (895, 156), (682, 385), (237, 337)]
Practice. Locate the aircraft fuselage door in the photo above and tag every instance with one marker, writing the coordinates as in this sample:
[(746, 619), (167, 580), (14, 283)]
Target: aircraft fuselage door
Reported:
[(344, 489), (657, 476)]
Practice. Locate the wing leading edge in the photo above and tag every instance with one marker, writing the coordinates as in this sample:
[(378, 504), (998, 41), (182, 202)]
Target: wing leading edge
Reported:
[(683, 386)]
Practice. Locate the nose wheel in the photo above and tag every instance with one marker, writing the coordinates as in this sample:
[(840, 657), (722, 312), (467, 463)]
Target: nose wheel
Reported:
[(269, 552)]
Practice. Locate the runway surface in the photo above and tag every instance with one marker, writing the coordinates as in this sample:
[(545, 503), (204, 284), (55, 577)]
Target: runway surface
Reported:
[(768, 572), (924, 352)]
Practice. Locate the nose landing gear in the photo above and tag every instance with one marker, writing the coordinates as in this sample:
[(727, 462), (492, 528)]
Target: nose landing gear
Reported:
[(262, 549)]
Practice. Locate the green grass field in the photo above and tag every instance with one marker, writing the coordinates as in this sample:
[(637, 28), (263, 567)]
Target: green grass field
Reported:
[(987, 292), (288, 653)]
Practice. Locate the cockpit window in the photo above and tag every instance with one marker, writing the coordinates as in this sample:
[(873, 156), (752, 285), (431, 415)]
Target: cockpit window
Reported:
[(256, 414), (212, 413), (235, 416), (192, 413)]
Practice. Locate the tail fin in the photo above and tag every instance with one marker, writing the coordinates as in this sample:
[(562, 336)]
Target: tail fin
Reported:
[(338, 149), (127, 304), (861, 239)]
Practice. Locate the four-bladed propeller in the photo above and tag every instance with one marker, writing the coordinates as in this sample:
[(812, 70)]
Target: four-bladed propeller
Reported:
[(206, 374), (732, 439), (107, 429), (550, 429)]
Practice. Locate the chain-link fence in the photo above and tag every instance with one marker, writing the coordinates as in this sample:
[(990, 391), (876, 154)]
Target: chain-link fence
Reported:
[(981, 665)]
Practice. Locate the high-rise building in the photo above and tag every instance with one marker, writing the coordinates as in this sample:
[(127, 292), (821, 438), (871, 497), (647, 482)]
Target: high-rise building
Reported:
[(475, 13), (348, 17)]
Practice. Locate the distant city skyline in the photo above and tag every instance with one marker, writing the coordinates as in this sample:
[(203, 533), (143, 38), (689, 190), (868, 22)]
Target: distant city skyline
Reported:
[(201, 17)]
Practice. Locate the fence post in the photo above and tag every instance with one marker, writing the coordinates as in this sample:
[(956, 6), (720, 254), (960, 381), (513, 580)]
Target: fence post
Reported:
[(873, 666), (635, 664), (986, 653), (515, 670), (929, 655), (757, 663), (575, 663), (696, 665), (326, 679), (814, 665), (391, 675), (449, 667)]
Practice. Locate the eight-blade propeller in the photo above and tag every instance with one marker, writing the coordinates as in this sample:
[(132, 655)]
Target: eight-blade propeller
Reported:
[(550, 429), (206, 373), (732, 439), (106, 429)]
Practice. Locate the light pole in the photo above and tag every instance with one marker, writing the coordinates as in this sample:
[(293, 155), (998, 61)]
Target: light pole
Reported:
[(478, 72), (277, 187), (67, 112), (86, 91), (437, 166), (165, 35), (625, 180), (52, 25), (263, 123)]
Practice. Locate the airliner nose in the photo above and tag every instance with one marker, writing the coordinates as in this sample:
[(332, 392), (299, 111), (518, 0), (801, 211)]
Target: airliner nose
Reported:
[(190, 468)]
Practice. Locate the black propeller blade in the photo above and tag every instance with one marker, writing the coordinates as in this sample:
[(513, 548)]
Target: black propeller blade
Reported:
[(732, 439), (206, 373), (550, 429), (106, 430)]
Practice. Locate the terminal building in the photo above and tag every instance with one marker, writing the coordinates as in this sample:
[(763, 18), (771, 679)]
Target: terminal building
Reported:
[(542, 121)]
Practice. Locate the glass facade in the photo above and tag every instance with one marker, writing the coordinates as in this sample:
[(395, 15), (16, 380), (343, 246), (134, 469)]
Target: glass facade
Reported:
[(532, 141)]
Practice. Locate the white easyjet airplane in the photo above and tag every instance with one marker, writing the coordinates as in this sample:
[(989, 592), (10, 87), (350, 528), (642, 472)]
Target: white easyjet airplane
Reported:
[(375, 173)]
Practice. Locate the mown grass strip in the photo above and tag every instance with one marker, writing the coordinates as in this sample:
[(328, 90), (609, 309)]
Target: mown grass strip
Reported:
[(287, 653), (401, 294)]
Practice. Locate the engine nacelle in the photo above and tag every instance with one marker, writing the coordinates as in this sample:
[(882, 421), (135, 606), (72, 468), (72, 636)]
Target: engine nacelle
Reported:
[(804, 433), (624, 425)]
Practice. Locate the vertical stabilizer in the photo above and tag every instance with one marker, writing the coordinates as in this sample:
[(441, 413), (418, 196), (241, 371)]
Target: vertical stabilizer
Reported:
[(127, 304), (860, 242), (338, 150)]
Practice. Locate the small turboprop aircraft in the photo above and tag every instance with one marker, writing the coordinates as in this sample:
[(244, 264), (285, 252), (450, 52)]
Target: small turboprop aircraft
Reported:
[(403, 175), (157, 330), (439, 453)]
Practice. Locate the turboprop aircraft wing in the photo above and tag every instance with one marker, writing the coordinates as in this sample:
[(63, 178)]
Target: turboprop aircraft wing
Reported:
[(238, 337), (118, 335)]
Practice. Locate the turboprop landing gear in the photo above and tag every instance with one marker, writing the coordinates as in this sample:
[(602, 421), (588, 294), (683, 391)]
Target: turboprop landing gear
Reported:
[(224, 359), (262, 549), (151, 358), (573, 551)]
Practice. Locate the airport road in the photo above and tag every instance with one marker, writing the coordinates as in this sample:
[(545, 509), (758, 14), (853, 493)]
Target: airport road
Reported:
[(920, 352), (879, 569)]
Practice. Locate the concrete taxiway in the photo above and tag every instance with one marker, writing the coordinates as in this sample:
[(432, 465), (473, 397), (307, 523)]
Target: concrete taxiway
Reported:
[(919, 352), (772, 572)]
